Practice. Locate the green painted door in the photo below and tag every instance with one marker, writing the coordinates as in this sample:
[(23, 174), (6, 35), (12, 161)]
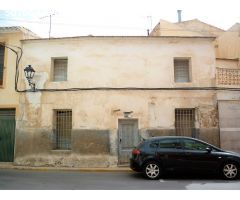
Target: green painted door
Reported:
[(7, 134)]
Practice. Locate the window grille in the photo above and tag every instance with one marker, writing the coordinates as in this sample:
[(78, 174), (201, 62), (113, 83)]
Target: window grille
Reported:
[(184, 122), (1, 63), (60, 69), (63, 129), (228, 76), (181, 70)]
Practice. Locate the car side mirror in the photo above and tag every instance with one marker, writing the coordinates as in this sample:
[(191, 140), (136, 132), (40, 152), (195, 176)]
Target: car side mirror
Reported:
[(209, 149)]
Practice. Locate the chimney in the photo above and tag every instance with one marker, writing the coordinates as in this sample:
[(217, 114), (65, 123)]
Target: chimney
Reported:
[(179, 15)]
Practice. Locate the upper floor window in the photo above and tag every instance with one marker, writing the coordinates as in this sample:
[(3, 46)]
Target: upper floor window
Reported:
[(60, 69), (181, 70), (2, 49)]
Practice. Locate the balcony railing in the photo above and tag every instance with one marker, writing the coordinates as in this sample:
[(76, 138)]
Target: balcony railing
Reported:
[(228, 76)]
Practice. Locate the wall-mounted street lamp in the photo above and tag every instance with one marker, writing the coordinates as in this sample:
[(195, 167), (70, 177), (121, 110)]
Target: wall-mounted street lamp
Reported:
[(29, 74)]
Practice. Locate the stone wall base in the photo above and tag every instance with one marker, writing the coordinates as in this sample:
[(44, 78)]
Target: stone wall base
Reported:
[(71, 160), (90, 148)]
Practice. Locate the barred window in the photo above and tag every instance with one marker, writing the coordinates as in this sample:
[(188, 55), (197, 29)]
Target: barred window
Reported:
[(60, 69), (2, 49), (181, 70), (63, 129), (184, 121)]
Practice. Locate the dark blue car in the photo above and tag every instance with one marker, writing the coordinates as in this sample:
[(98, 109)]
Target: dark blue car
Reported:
[(156, 155)]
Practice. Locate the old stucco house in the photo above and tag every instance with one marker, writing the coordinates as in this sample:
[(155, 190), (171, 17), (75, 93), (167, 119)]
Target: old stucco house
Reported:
[(97, 97), (9, 99)]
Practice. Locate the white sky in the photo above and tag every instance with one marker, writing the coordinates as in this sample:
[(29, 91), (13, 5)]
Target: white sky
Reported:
[(112, 17)]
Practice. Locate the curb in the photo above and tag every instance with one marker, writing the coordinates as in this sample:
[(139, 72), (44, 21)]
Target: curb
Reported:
[(113, 169)]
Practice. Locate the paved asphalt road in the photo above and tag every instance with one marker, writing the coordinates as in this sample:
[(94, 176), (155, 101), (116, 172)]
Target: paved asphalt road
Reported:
[(73, 180)]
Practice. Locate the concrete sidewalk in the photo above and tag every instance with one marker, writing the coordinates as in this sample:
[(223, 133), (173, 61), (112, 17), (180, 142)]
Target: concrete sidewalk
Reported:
[(107, 169)]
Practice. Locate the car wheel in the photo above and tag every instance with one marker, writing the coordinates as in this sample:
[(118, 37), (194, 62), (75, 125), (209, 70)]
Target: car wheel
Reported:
[(152, 170), (230, 170)]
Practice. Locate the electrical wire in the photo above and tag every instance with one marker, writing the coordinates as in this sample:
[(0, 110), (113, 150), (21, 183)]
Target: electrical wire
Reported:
[(18, 58), (139, 88), (108, 27), (79, 25)]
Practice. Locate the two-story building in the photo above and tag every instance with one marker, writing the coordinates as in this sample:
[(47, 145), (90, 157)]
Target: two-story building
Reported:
[(97, 97)]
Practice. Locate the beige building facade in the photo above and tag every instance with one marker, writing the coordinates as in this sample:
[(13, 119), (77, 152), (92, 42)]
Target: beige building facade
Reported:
[(9, 99), (98, 97), (227, 48)]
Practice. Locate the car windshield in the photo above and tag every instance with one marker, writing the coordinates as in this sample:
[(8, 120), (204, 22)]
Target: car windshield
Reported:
[(190, 144)]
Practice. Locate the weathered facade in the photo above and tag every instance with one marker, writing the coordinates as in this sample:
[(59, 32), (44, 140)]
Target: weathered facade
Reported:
[(9, 99), (117, 91), (98, 97), (227, 48)]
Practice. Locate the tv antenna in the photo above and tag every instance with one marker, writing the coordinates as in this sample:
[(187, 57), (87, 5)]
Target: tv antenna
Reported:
[(50, 22)]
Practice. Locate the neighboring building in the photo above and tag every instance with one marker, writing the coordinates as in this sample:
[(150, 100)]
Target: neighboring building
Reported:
[(97, 97), (190, 28), (9, 98), (228, 76)]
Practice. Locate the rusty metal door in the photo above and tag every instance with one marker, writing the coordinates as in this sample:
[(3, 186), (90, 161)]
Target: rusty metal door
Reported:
[(7, 134), (128, 138)]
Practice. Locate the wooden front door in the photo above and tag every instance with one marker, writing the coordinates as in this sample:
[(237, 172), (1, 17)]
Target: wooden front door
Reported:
[(128, 138)]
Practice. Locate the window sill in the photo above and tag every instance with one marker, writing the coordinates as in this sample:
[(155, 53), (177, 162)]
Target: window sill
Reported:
[(58, 81), (183, 84)]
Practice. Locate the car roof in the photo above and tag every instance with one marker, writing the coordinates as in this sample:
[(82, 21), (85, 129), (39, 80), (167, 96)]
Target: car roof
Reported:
[(167, 137), (180, 137)]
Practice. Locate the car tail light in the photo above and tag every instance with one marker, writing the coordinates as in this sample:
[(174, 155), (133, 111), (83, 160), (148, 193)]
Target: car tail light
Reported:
[(136, 151)]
